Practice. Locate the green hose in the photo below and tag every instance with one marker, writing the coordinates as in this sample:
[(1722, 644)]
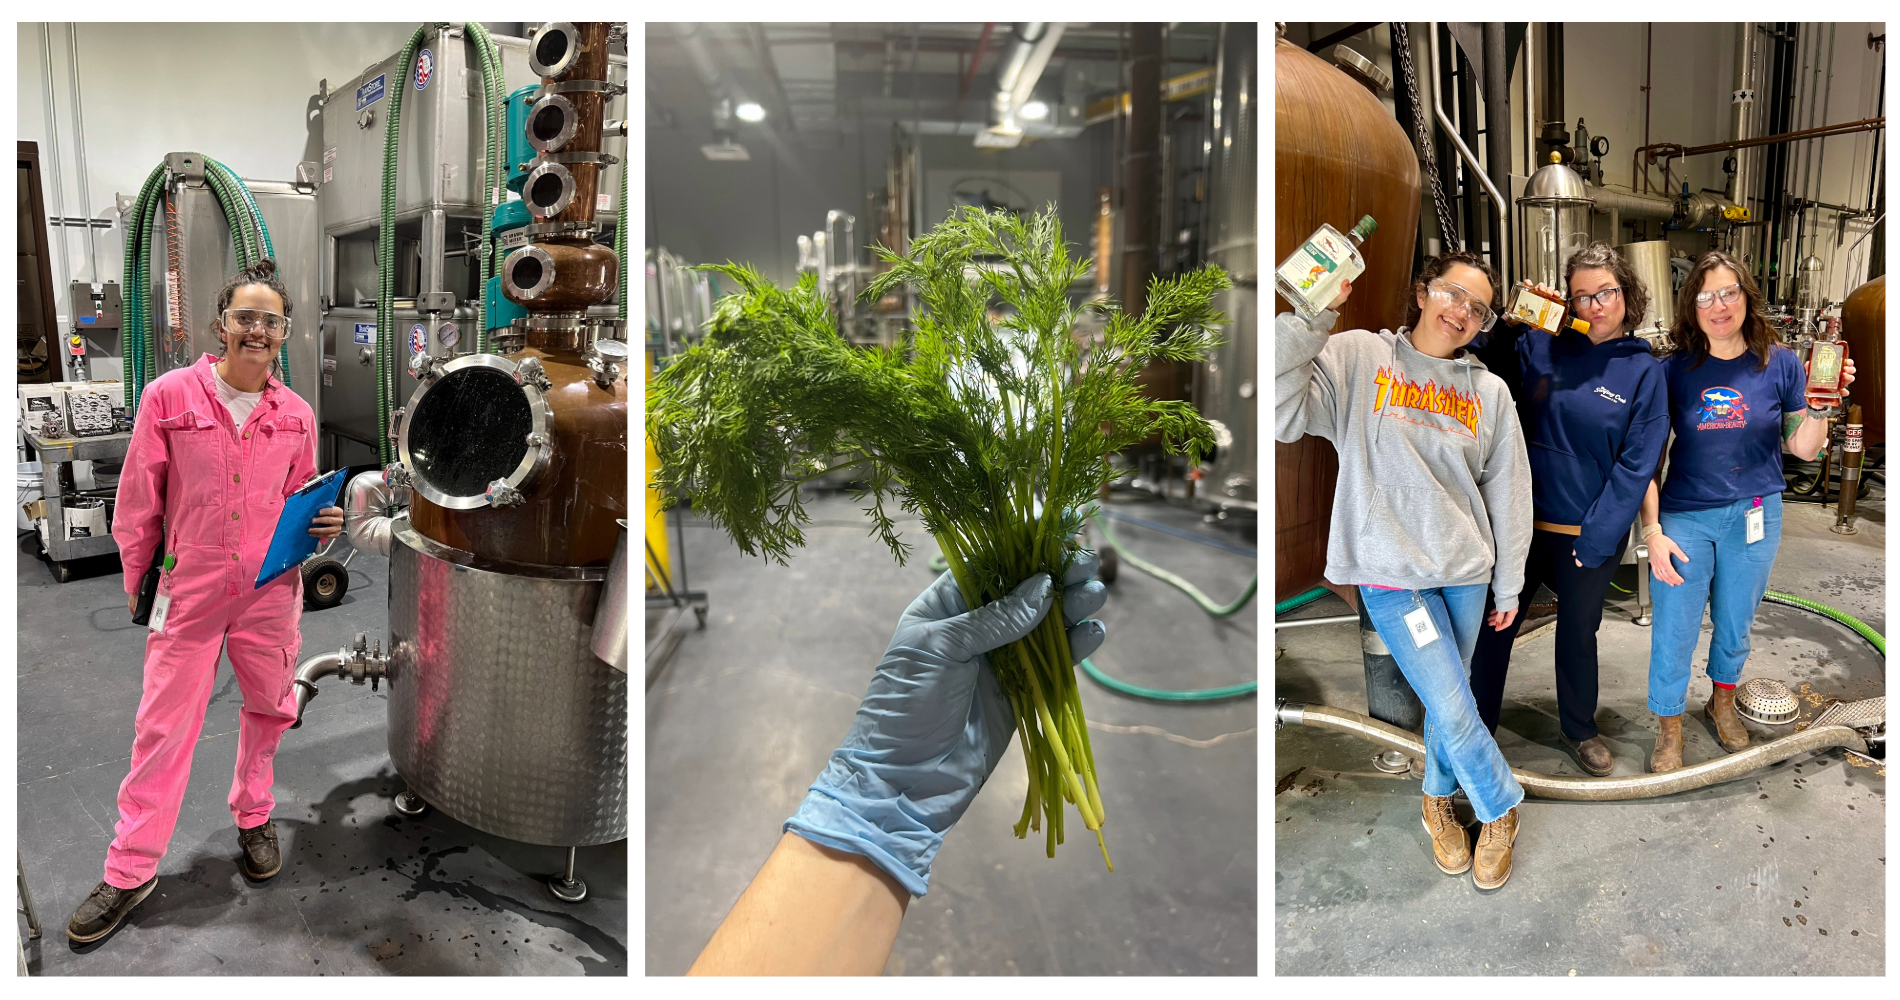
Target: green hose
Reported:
[(386, 249), (1873, 638), (1301, 601), (1155, 694), (1207, 603)]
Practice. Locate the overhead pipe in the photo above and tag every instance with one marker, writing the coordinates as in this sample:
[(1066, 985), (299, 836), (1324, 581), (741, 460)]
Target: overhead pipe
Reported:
[(52, 160), (1498, 205), (1497, 117), (1141, 167), (1554, 136), (976, 59), (79, 149), (1029, 54), (1741, 114), (1530, 100), (1613, 789)]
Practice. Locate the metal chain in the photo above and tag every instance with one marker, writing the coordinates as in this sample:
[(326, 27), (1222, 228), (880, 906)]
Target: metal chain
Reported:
[(1448, 230)]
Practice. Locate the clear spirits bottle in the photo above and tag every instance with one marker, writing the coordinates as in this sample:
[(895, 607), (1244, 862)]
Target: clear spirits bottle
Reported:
[(1309, 279)]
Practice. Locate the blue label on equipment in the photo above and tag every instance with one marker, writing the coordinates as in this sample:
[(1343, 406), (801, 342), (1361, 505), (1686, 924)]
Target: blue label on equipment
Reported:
[(366, 333), (370, 92), (88, 319), (425, 68)]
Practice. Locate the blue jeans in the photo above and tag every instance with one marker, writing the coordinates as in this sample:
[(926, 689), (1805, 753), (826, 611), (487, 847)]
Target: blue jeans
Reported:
[(1725, 575), (1459, 751)]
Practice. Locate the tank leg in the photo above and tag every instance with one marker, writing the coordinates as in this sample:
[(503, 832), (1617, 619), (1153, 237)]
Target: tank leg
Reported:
[(566, 887), (410, 804)]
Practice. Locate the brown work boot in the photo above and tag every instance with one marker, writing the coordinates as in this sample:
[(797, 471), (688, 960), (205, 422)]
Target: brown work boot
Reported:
[(261, 858), (1668, 754), (102, 910), (1451, 845), (1593, 754), (1494, 851), (1729, 730)]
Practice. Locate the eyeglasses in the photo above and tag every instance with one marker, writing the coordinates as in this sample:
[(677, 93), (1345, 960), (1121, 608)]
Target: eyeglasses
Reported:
[(273, 325), (1602, 298), (1704, 300), (1454, 296)]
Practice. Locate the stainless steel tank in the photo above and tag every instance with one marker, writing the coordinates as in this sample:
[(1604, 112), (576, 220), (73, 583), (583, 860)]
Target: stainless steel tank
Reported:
[(1553, 222), (1227, 388), (1650, 261), (500, 715)]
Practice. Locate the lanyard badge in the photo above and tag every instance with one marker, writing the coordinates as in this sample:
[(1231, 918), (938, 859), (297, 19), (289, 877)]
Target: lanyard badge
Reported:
[(1757, 522)]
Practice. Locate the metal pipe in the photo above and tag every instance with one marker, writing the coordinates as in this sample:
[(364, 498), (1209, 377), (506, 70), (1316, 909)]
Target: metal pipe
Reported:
[(1741, 110), (309, 672), (1677, 151), (1497, 119), (1649, 38), (1022, 45), (79, 147), (976, 59), (1634, 206), (1612, 789), (1328, 620), (366, 500), (1498, 204), (1530, 100), (59, 183)]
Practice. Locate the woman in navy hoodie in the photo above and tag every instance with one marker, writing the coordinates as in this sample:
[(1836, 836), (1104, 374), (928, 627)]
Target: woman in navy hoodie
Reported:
[(1595, 412)]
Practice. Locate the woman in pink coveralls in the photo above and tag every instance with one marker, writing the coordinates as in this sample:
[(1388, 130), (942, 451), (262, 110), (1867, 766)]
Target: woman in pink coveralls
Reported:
[(215, 450)]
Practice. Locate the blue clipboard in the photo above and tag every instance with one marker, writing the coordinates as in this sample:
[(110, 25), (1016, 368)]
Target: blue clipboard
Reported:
[(292, 542)]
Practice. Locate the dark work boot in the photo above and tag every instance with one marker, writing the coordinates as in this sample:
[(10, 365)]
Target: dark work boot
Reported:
[(104, 908), (1593, 754), (261, 858), (1729, 730)]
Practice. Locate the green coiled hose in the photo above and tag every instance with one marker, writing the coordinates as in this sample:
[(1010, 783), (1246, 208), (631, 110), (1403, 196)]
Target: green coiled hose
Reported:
[(1874, 638), (1207, 603)]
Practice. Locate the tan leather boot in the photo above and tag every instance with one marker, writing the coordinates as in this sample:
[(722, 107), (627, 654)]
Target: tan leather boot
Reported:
[(1668, 755), (1729, 730), (1493, 857), (1451, 845)]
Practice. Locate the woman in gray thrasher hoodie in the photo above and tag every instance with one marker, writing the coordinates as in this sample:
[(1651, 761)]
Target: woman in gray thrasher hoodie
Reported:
[(1433, 508)]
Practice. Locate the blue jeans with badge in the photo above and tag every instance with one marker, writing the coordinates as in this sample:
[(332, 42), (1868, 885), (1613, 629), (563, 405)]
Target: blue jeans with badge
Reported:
[(1433, 648), (1726, 574)]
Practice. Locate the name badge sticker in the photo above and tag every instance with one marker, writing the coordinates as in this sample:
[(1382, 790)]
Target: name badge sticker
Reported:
[(1757, 522), (161, 606)]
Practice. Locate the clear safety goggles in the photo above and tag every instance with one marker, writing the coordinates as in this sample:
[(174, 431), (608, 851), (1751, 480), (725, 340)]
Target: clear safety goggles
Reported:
[(1455, 296), (273, 326), (1727, 293)]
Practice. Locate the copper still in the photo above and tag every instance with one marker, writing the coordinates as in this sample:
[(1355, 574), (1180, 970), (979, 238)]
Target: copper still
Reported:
[(1338, 155), (521, 456), (1864, 327)]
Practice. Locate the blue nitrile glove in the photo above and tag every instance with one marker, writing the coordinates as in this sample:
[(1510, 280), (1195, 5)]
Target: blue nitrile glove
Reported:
[(935, 722)]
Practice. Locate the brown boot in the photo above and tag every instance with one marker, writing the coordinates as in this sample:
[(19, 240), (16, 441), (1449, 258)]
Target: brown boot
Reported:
[(1729, 730), (1668, 755), (1593, 754), (1451, 845), (1494, 851)]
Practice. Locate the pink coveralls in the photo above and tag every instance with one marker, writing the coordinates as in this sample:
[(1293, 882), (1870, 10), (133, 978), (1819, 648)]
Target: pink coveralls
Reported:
[(216, 491)]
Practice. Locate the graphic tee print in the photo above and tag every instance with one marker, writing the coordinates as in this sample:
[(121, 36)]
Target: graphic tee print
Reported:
[(1728, 417)]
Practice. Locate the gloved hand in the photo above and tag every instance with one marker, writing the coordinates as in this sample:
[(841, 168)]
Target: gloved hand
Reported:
[(935, 722)]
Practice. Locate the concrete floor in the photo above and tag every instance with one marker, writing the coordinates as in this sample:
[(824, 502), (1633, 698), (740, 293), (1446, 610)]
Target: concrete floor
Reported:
[(362, 892), (1782, 872), (745, 714)]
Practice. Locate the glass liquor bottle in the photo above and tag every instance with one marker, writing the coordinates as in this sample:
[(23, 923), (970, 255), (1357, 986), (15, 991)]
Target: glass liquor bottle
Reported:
[(1825, 360), (1309, 279)]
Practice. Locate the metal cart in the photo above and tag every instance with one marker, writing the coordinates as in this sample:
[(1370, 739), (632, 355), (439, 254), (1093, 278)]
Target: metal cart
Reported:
[(56, 456)]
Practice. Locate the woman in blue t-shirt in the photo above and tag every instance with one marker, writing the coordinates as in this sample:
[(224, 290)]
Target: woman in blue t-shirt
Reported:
[(1735, 395)]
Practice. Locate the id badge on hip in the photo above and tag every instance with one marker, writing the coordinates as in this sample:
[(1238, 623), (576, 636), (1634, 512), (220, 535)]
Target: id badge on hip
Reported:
[(1756, 522), (161, 606), (1419, 623)]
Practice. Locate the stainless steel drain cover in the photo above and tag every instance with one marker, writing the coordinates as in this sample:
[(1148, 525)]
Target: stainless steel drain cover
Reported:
[(1868, 713), (1765, 700)]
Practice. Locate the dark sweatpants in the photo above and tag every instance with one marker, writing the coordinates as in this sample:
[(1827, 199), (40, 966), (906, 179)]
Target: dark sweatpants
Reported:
[(1579, 612)]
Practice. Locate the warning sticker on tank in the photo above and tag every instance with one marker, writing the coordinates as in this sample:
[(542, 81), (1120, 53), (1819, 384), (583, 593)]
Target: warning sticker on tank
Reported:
[(365, 334), (371, 92), (603, 203), (329, 155)]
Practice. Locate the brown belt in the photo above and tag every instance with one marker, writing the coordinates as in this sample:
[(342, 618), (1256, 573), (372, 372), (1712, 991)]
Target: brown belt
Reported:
[(1561, 529)]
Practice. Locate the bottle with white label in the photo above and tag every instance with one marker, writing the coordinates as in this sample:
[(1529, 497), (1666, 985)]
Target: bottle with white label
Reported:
[(1310, 278)]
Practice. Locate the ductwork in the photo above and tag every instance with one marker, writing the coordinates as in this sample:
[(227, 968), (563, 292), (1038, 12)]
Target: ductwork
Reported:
[(366, 500), (1742, 113), (1032, 44)]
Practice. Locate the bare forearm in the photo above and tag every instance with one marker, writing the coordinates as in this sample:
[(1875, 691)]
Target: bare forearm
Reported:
[(1651, 511), (811, 911)]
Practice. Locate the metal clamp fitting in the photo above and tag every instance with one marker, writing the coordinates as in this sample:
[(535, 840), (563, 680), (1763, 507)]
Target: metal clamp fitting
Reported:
[(606, 373), (612, 90), (530, 372), (604, 159), (502, 495), (397, 476)]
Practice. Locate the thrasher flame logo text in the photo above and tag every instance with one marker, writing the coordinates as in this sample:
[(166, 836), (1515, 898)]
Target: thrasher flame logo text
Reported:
[(1398, 392)]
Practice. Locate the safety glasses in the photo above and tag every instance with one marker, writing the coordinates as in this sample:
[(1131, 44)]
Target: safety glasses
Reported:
[(1728, 294), (1454, 296), (272, 325)]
